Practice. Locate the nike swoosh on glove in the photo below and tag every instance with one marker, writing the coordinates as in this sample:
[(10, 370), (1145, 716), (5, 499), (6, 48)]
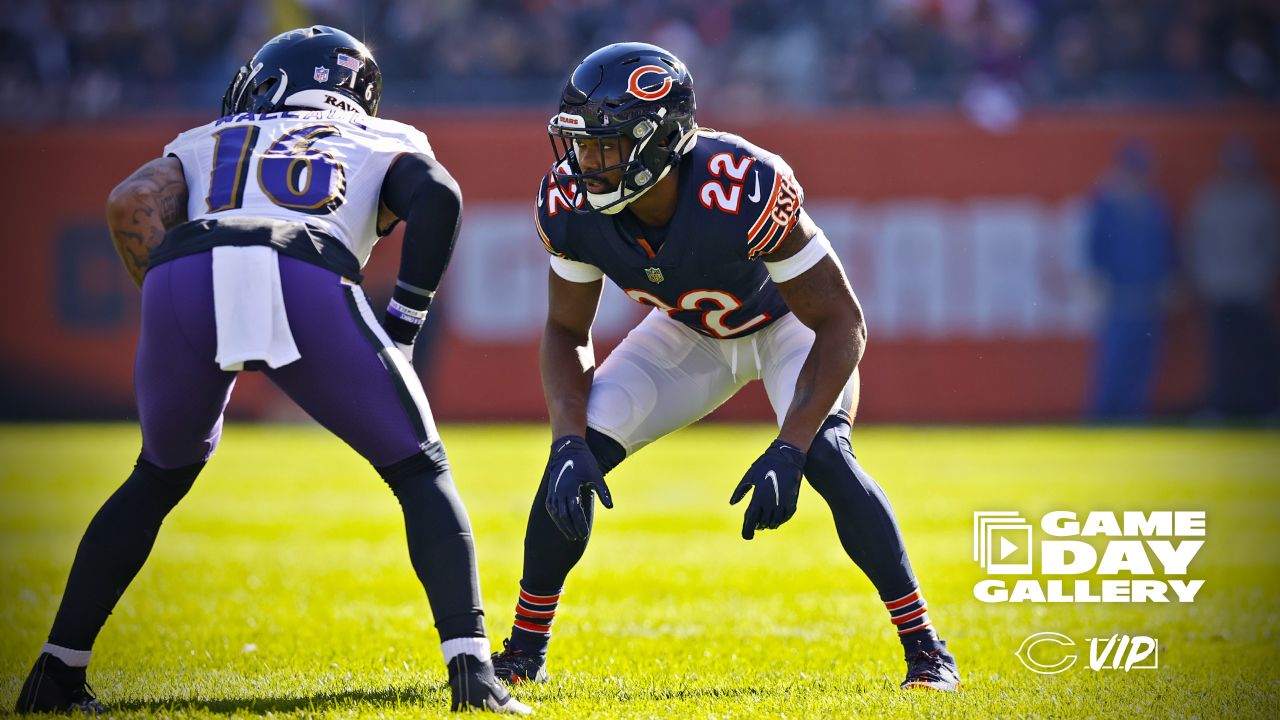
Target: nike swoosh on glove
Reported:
[(573, 477), (775, 478)]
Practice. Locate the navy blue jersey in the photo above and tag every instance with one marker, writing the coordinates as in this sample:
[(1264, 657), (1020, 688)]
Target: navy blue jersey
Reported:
[(736, 204)]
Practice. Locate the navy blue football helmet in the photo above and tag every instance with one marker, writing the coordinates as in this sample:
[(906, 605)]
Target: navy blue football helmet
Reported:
[(632, 90), (315, 67)]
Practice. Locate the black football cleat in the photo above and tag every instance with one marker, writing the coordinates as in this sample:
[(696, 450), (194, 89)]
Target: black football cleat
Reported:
[(53, 686), (931, 667), (515, 666), (475, 687)]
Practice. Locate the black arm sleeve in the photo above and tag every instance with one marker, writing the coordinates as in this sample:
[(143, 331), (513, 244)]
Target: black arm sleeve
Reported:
[(419, 190)]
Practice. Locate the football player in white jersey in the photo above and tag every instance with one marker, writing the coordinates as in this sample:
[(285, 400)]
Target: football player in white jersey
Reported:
[(247, 239)]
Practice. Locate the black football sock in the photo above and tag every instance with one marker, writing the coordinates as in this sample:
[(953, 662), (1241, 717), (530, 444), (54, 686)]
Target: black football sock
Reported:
[(440, 541), (867, 527), (114, 548), (549, 556)]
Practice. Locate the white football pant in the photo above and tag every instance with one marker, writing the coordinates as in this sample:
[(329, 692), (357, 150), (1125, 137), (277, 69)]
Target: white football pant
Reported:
[(664, 376)]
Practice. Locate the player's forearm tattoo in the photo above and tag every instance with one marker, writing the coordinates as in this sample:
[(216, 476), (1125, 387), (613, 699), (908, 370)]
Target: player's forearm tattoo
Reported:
[(142, 208)]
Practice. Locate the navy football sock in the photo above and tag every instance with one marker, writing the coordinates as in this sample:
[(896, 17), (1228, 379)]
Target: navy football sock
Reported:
[(548, 558), (910, 615), (535, 611), (440, 542), (867, 527), (549, 555), (114, 548)]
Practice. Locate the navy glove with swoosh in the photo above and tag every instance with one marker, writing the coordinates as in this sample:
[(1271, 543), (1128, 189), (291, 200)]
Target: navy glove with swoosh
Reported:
[(573, 477), (776, 479)]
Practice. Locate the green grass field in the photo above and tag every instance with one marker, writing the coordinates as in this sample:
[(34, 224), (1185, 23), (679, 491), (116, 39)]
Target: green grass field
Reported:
[(282, 584)]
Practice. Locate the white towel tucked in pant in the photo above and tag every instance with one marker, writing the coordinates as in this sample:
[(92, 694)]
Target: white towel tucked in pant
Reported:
[(248, 306)]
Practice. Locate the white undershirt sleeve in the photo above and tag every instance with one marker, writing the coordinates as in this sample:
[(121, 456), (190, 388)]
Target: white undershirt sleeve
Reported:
[(791, 268), (575, 271)]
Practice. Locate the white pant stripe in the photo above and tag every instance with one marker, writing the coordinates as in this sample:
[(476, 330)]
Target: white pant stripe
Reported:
[(399, 364)]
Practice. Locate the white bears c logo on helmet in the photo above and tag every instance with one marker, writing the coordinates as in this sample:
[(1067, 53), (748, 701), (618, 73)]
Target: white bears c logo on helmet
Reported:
[(633, 82)]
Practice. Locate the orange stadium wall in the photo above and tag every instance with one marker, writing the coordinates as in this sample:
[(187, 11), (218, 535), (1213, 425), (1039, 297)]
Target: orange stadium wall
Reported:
[(963, 245)]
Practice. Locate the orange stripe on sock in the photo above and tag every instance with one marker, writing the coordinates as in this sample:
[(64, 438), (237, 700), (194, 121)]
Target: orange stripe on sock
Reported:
[(522, 610), (909, 616), (921, 626), (903, 601), (539, 599)]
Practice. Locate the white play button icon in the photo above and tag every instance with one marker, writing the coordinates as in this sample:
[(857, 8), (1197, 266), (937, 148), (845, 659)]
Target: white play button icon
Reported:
[(1007, 548)]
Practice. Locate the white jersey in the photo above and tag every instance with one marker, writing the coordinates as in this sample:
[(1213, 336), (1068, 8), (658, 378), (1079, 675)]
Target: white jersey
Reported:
[(321, 167)]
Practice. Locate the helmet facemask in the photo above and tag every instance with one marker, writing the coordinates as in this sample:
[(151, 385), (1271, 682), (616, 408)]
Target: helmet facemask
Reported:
[(657, 144), (232, 97)]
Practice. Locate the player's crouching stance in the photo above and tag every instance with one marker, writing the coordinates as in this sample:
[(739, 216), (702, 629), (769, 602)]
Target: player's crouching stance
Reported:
[(284, 195), (708, 229)]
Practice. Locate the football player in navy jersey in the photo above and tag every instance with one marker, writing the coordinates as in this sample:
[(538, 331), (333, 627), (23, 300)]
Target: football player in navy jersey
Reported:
[(710, 231), (260, 271)]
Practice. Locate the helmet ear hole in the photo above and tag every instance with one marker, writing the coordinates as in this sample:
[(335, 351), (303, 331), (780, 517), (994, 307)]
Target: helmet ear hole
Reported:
[(264, 89)]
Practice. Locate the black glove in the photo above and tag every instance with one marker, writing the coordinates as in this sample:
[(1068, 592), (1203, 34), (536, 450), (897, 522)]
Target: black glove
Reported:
[(776, 479), (573, 475)]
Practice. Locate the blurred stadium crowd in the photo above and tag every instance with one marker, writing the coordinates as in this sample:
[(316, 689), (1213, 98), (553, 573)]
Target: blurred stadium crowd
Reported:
[(88, 58)]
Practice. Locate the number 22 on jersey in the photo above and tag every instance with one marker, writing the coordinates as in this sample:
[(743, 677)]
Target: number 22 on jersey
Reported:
[(292, 173), (712, 192), (712, 318)]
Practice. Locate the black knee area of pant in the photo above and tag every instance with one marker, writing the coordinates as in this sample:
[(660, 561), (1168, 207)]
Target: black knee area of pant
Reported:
[(424, 486), (431, 461), (864, 519), (166, 485), (826, 462), (609, 452), (439, 537)]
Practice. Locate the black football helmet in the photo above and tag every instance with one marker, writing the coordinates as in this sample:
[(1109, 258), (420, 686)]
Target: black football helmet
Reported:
[(632, 90), (314, 67)]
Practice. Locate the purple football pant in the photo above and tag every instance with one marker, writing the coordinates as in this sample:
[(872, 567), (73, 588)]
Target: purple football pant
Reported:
[(350, 377)]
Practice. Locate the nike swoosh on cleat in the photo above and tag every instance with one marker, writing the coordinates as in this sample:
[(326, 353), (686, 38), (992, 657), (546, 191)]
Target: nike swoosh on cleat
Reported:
[(565, 445), (508, 705), (773, 477), (568, 464), (755, 191)]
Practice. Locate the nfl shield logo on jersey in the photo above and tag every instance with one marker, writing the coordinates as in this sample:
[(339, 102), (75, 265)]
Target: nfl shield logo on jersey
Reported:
[(322, 74), (654, 274)]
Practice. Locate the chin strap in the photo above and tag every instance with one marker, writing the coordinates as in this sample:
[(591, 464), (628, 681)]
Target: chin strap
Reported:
[(601, 201), (609, 197)]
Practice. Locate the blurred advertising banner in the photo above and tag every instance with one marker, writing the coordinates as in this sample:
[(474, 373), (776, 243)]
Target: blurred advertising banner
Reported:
[(965, 247)]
